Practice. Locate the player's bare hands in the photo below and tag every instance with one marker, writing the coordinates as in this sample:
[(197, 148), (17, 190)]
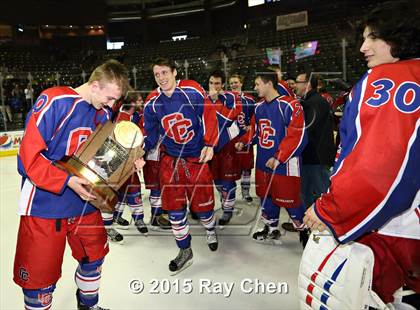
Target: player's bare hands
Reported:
[(272, 163), (213, 94), (312, 221), (206, 154), (78, 185), (139, 163), (239, 146)]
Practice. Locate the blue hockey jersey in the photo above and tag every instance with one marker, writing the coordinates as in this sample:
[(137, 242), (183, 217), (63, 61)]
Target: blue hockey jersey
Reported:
[(186, 120), (278, 129), (59, 122)]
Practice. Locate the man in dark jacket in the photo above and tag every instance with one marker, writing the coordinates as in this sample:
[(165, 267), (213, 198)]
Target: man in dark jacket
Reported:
[(318, 155)]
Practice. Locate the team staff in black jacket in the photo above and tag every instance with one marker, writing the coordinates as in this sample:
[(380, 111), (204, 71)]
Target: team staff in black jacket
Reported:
[(318, 156)]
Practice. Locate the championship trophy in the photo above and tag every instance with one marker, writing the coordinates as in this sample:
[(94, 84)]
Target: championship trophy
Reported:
[(106, 160)]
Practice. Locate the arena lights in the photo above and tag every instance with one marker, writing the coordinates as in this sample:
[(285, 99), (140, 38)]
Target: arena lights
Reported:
[(255, 2)]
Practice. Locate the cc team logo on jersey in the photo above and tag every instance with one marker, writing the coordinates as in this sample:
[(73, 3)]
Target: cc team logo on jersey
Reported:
[(241, 120), (177, 128), (40, 103), (23, 274), (266, 132)]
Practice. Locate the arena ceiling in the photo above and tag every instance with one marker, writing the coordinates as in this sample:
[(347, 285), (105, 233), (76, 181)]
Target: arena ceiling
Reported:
[(125, 10)]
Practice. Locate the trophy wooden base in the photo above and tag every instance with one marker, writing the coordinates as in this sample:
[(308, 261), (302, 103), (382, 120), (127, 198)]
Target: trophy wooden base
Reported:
[(106, 196)]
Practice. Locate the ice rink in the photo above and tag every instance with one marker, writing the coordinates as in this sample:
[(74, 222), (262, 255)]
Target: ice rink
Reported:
[(241, 274)]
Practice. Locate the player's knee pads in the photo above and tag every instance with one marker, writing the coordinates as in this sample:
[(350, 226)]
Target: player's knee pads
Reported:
[(38, 299), (87, 277)]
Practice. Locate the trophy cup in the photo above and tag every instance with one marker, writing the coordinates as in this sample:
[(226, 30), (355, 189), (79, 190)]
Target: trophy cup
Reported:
[(106, 160)]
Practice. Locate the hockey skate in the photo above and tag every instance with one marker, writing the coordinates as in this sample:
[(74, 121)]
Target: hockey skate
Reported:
[(246, 196), (120, 223), (81, 306), (289, 227), (160, 222), (114, 236), (211, 239), (141, 227), (304, 236), (225, 219), (181, 262), (267, 237)]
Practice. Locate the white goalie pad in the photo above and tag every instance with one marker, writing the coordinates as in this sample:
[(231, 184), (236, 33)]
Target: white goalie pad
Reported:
[(336, 277)]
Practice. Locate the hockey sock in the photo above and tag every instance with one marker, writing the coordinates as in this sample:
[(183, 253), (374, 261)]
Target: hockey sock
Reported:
[(246, 181), (297, 214), (87, 277), (180, 228), (107, 218), (207, 219), (135, 203), (228, 192), (119, 209), (39, 299), (155, 202), (270, 212)]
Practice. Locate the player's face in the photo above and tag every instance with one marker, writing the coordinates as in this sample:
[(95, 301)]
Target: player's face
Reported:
[(235, 84), (375, 50), (165, 77), (292, 84), (261, 88), (104, 94), (215, 83), (301, 85), (279, 74), (139, 102)]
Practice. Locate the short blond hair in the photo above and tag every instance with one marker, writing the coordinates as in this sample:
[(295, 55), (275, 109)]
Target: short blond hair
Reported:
[(112, 71), (237, 76)]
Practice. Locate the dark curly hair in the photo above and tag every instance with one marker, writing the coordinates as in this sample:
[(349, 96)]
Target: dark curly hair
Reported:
[(398, 24), (218, 74)]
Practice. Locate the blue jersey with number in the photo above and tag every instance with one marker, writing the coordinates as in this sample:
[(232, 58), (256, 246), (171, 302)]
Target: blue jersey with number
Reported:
[(376, 176), (59, 122)]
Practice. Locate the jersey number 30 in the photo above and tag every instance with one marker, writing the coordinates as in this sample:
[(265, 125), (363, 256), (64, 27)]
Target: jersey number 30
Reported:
[(406, 97)]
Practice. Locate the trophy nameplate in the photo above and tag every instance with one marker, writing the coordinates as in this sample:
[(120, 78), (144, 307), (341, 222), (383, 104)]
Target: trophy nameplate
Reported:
[(106, 160)]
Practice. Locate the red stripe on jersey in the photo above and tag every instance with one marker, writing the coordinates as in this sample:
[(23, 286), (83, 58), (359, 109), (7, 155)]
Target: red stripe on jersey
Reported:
[(360, 187), (30, 201), (294, 133), (38, 168)]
